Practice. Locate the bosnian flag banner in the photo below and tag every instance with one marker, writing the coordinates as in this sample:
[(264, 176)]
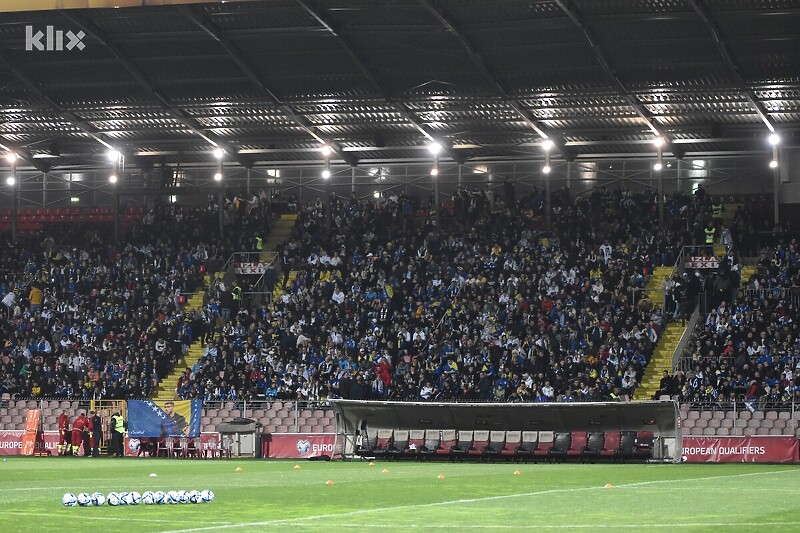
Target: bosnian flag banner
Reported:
[(179, 418)]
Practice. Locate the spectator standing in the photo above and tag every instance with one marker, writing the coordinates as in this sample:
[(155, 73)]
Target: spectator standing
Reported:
[(96, 426), (117, 433)]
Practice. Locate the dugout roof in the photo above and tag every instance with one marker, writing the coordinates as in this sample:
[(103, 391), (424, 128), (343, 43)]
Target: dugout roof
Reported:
[(270, 81)]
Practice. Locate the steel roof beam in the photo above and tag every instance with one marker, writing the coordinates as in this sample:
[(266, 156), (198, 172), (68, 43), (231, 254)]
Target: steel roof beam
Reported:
[(244, 65), (487, 74), (704, 13), (573, 14), (401, 108), (136, 73), (23, 154), (54, 107)]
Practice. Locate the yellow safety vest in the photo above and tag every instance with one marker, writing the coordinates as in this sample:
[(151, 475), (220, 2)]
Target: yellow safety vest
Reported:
[(710, 235), (119, 424), (717, 210), (259, 243)]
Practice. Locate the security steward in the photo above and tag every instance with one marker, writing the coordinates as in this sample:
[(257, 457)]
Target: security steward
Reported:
[(710, 233), (117, 433)]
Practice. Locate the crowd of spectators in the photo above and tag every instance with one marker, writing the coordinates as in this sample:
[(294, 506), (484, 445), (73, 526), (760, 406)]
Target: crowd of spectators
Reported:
[(382, 302), (748, 351), (83, 317), (489, 306)]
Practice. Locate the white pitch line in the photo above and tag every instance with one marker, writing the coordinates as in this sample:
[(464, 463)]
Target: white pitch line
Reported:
[(285, 521), (574, 526), (112, 518)]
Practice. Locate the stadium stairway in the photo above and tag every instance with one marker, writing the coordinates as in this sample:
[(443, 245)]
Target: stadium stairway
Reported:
[(661, 360), (653, 290), (667, 343), (194, 304), (279, 232)]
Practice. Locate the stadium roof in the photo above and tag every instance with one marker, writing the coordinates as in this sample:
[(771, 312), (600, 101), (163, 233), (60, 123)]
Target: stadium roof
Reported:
[(270, 81)]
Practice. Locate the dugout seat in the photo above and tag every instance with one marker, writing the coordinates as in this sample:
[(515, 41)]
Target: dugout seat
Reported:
[(432, 441), (448, 441), (627, 445), (398, 446), (480, 440), (462, 446), (594, 445), (492, 450), (561, 445), (513, 441), (610, 445), (546, 439), (416, 443), (524, 451)]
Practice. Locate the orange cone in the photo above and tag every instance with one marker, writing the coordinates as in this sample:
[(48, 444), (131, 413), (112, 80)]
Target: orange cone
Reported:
[(329, 482), (440, 476), (608, 486), (517, 473)]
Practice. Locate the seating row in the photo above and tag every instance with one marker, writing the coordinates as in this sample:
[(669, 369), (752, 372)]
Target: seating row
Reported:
[(509, 445)]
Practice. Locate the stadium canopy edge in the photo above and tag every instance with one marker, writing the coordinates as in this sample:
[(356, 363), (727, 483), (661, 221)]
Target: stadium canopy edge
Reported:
[(49, 5)]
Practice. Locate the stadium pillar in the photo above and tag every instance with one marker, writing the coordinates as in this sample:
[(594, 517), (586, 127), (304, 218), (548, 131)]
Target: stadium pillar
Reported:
[(547, 199), (569, 175), (352, 179), (459, 175), (44, 189), (436, 199), (248, 182), (13, 184), (220, 210), (328, 206), (775, 187), (116, 214), (661, 200)]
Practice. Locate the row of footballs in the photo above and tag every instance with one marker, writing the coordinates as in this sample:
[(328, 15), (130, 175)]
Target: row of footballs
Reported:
[(84, 499)]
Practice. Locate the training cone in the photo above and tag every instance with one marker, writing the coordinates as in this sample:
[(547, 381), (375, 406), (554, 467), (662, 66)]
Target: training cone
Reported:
[(608, 486), (329, 482), (385, 471), (372, 464), (440, 476), (239, 469), (297, 467), (153, 475), (517, 473)]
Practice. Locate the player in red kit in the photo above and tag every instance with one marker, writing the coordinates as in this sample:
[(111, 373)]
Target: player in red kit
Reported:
[(77, 432), (64, 446)]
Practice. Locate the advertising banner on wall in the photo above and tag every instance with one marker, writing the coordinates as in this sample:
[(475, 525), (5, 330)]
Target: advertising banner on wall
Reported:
[(208, 445), (756, 449), (11, 442), (179, 418), (297, 445)]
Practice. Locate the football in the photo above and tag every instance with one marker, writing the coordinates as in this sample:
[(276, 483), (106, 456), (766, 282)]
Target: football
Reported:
[(84, 499), (183, 497), (159, 498), (147, 498), (69, 500), (98, 499), (207, 496), (194, 496), (172, 497), (113, 499), (133, 498)]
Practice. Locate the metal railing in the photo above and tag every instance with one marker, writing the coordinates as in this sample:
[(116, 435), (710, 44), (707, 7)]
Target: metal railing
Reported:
[(761, 415), (688, 333), (790, 295)]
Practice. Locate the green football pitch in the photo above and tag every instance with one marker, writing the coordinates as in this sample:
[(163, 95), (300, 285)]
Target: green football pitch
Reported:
[(402, 496)]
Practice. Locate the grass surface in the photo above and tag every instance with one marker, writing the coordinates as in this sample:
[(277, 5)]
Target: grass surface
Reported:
[(410, 496)]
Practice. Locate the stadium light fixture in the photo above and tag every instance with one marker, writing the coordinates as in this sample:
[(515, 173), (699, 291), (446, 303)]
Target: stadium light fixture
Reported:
[(546, 169), (326, 173), (219, 153), (774, 139), (112, 178), (547, 145), (659, 142), (326, 150), (11, 157), (435, 148), (10, 181), (435, 171), (773, 164), (376, 194), (658, 166), (113, 155), (218, 176)]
